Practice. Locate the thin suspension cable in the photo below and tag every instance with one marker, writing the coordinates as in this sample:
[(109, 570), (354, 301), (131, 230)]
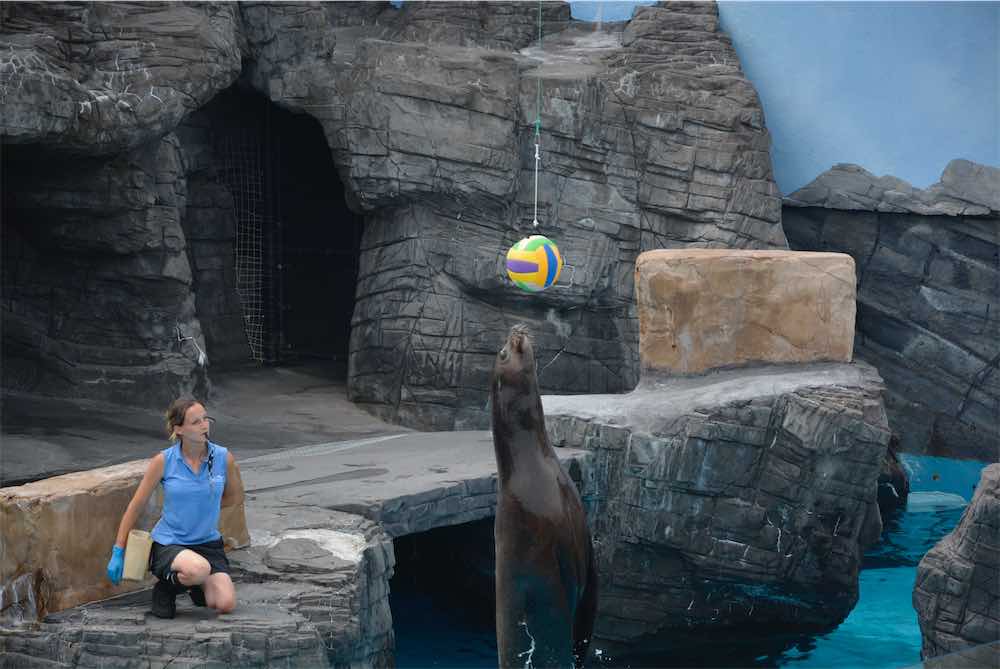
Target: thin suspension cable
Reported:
[(538, 114)]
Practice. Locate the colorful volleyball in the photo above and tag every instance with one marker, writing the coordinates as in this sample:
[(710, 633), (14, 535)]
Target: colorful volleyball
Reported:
[(534, 263)]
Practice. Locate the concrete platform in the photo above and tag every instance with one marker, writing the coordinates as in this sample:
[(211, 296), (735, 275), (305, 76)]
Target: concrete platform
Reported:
[(313, 586), (257, 410), (406, 482)]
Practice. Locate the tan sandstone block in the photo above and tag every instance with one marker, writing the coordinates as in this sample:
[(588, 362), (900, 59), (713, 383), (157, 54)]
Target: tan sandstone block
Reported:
[(702, 309), (58, 533)]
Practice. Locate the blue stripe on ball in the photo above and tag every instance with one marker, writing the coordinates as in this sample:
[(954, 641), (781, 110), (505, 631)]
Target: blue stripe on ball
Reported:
[(553, 264)]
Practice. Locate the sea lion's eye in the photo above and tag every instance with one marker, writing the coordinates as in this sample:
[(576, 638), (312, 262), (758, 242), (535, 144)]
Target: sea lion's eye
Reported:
[(504, 354)]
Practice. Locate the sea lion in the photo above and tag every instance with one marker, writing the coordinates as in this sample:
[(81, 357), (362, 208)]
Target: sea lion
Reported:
[(546, 583)]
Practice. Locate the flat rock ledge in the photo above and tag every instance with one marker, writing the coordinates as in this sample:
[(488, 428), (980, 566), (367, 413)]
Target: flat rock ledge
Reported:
[(957, 594), (738, 498), (57, 533), (313, 586), (305, 595), (314, 596)]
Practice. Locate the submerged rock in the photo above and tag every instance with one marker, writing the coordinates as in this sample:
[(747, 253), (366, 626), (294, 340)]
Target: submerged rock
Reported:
[(957, 593)]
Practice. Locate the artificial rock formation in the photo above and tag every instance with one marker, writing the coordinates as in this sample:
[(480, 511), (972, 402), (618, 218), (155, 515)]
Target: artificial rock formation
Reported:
[(742, 496), (965, 189), (652, 137), (98, 298), (701, 309), (58, 533), (313, 585), (893, 481), (928, 268), (312, 593), (957, 594), (101, 78), (733, 499), (98, 284)]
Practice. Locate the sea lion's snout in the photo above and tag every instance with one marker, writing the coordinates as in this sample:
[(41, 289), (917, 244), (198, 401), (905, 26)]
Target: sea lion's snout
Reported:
[(518, 340)]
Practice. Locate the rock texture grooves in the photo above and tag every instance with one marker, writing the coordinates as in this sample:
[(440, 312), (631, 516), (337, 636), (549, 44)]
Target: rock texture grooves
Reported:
[(652, 138), (957, 595), (928, 267), (738, 498), (314, 596), (99, 78), (965, 189), (97, 283)]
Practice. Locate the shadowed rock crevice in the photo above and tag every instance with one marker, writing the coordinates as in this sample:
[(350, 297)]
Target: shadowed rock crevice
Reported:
[(98, 293)]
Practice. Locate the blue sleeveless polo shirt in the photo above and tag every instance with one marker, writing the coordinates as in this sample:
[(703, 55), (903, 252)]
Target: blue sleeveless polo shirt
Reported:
[(191, 502)]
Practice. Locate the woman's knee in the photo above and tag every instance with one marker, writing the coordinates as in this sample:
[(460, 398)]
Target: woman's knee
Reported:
[(193, 568), (223, 600), (225, 603), (220, 593)]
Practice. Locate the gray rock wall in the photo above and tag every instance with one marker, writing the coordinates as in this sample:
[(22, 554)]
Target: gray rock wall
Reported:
[(652, 137), (957, 594), (306, 599), (97, 283), (97, 279), (752, 509), (100, 78), (928, 301), (209, 224)]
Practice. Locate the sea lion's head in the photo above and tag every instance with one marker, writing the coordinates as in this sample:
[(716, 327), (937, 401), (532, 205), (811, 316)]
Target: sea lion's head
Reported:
[(514, 384), (517, 356)]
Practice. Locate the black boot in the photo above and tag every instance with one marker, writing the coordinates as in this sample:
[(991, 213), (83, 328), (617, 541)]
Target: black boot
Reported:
[(176, 586), (164, 602), (197, 595)]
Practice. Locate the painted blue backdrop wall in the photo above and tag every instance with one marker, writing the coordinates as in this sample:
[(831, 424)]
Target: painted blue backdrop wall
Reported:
[(899, 88)]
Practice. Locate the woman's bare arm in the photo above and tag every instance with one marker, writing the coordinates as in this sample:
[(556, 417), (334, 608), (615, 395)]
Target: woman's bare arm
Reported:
[(151, 479)]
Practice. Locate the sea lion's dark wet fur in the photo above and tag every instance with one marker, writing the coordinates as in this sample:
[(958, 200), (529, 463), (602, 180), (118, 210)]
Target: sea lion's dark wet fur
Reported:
[(546, 584)]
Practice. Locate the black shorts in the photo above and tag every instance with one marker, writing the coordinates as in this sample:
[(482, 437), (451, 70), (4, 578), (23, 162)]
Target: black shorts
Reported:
[(161, 557)]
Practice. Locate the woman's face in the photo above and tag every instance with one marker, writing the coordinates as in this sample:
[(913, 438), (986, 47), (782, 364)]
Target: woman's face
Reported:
[(196, 425)]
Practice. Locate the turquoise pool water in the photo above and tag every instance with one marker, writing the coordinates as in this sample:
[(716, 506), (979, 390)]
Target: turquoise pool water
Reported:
[(880, 633)]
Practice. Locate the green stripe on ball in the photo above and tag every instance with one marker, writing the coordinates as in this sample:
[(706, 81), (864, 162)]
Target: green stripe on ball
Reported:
[(534, 242)]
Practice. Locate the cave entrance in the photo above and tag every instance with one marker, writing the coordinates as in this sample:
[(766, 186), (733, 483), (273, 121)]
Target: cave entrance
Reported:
[(297, 243), (443, 599)]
